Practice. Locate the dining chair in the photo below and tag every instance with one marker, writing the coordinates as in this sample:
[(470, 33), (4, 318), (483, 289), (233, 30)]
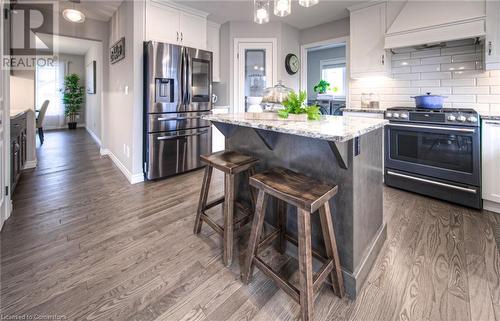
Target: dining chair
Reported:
[(39, 120)]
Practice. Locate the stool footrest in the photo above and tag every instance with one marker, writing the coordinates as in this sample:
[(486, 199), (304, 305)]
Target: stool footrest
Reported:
[(289, 288), (216, 227), (321, 276), (215, 202)]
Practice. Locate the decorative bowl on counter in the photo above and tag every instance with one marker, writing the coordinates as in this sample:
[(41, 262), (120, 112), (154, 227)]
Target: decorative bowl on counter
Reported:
[(275, 96)]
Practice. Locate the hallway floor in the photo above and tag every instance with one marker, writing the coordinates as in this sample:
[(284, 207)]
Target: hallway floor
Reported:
[(84, 244)]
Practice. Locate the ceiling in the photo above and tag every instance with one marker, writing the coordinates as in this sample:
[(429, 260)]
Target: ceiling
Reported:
[(93, 9), (66, 45), (301, 18)]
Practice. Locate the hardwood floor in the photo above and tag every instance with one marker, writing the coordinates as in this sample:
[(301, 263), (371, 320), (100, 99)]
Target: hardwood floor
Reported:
[(84, 244)]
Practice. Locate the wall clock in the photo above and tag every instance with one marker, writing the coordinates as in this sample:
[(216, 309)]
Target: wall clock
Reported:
[(292, 64)]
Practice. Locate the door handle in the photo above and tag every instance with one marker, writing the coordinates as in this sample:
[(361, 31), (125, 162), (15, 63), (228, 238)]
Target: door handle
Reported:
[(463, 130), (489, 48), (180, 136), (463, 189), (177, 118)]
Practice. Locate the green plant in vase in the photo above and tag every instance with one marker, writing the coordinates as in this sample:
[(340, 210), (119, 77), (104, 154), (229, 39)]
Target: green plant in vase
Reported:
[(321, 87), (72, 98), (295, 104)]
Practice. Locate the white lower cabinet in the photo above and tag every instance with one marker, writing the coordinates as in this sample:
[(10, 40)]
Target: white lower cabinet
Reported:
[(490, 138)]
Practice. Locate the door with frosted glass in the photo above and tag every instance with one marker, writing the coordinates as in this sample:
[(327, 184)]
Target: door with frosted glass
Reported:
[(254, 73)]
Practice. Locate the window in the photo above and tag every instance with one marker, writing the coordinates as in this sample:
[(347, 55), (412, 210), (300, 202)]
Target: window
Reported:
[(334, 72)]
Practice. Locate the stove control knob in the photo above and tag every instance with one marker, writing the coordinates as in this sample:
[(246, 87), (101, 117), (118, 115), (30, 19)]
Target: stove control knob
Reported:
[(404, 116), (461, 118), (452, 118), (472, 119), (388, 115), (395, 115)]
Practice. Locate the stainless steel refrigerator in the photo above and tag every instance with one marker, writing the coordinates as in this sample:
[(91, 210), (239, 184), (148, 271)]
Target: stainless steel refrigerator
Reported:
[(177, 92)]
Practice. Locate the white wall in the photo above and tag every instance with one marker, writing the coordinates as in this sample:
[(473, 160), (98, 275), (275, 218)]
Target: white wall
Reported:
[(123, 112), (75, 65), (455, 71), (22, 89), (93, 102), (329, 30)]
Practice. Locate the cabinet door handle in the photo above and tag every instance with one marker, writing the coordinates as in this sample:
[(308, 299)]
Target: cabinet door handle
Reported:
[(383, 59), (182, 36), (489, 48), (494, 123), (177, 32)]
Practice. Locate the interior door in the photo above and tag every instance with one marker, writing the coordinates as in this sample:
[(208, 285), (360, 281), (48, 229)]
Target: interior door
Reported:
[(256, 71), (4, 118)]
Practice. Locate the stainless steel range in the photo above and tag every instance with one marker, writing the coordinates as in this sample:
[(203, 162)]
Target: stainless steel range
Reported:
[(177, 92), (435, 153)]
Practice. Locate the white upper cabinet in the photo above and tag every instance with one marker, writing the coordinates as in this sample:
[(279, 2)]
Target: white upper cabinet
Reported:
[(368, 26), (213, 45), (492, 43), (173, 23), (193, 30)]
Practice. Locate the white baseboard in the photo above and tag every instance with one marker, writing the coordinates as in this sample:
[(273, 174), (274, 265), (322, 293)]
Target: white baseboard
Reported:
[(132, 178), (94, 136), (491, 206), (30, 164), (65, 126)]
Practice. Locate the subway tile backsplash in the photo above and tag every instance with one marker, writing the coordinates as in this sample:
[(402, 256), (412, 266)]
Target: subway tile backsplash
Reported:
[(455, 71)]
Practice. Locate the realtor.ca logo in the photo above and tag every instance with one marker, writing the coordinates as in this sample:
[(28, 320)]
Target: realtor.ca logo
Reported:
[(30, 41)]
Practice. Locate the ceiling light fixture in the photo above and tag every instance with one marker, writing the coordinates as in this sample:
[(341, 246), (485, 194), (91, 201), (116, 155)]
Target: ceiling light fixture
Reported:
[(282, 8), (308, 3), (261, 11), (74, 15)]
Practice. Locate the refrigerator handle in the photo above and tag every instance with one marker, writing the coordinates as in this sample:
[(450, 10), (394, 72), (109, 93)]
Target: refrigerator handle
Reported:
[(183, 77), (189, 80)]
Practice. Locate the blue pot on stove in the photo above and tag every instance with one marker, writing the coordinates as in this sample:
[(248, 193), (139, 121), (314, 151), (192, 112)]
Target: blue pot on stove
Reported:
[(429, 101)]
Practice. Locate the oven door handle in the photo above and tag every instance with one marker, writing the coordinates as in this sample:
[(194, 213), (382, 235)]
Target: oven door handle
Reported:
[(177, 118), (175, 136), (462, 130), (459, 188)]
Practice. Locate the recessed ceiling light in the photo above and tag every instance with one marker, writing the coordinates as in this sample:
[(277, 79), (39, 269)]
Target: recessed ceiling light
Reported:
[(73, 15)]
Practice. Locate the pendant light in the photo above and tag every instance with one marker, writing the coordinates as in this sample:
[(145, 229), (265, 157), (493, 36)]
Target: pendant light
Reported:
[(282, 8), (261, 11), (74, 15), (308, 3)]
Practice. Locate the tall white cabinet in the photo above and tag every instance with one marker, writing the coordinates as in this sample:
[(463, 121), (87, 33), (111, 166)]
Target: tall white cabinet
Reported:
[(367, 54), (490, 137), (213, 45), (176, 24)]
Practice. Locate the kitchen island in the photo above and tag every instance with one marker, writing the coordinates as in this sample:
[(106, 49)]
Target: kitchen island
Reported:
[(346, 151)]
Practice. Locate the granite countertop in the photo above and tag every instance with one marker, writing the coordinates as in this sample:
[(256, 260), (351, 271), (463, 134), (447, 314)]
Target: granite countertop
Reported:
[(490, 116), (14, 112), (331, 128), (364, 110)]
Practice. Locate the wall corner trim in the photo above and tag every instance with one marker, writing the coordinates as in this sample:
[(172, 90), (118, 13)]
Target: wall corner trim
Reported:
[(132, 178)]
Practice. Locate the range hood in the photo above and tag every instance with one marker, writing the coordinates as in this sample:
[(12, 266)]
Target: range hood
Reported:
[(429, 22)]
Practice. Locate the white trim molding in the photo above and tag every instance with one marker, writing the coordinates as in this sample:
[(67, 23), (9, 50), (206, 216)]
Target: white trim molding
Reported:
[(132, 178), (94, 136), (30, 164)]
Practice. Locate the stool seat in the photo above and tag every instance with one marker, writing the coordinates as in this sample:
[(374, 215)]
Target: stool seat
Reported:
[(230, 162), (295, 189)]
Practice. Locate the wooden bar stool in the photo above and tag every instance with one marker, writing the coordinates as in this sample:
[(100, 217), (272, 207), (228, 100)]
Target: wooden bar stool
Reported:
[(308, 195), (231, 163)]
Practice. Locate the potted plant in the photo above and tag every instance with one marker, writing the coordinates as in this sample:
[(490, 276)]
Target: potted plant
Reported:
[(321, 87), (295, 105), (72, 98)]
